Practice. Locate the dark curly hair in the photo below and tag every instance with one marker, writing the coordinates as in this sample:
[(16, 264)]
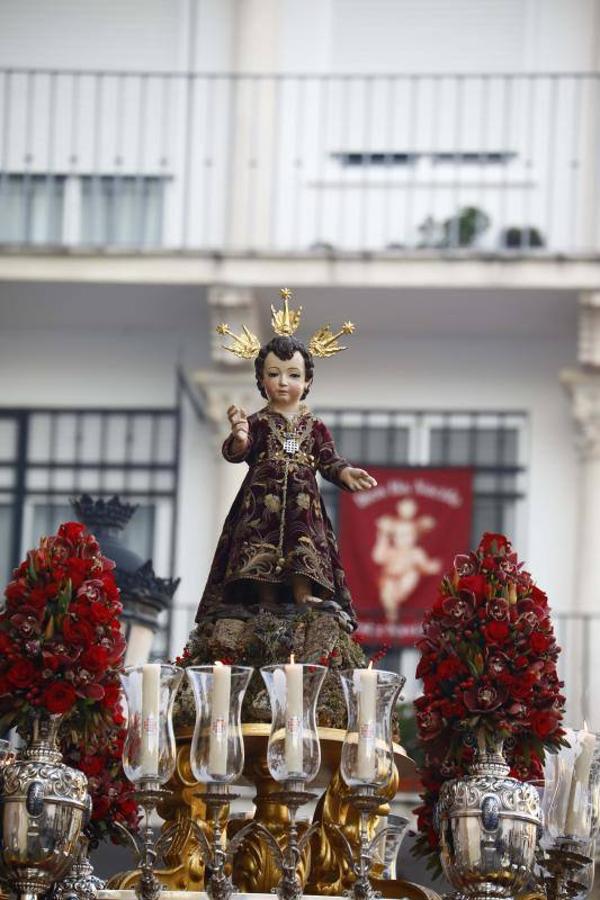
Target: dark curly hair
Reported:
[(283, 348)]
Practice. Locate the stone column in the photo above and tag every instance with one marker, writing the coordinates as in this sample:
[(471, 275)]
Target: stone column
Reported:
[(583, 386), (231, 381), (255, 102)]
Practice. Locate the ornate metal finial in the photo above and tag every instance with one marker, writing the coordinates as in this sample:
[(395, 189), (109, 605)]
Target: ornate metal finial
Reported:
[(145, 586), (285, 321), (324, 342), (102, 513), (246, 345)]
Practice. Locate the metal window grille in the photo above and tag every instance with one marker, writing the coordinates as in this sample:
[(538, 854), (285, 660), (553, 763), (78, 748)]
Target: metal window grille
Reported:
[(493, 444), (50, 455)]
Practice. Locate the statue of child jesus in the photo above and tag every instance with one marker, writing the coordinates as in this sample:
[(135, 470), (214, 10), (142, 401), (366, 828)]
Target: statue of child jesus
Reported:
[(277, 543)]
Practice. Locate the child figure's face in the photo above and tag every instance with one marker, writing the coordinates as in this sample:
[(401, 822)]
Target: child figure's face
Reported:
[(284, 380)]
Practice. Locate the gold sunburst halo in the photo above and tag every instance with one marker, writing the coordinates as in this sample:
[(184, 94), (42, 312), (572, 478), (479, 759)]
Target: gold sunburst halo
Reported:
[(324, 342), (245, 345), (285, 321)]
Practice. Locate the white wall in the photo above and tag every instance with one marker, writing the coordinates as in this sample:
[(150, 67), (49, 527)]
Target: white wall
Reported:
[(313, 35)]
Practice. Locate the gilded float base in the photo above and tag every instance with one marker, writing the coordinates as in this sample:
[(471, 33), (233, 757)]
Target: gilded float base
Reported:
[(324, 868)]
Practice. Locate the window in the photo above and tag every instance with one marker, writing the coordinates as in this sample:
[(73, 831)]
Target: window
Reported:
[(122, 210), (31, 208), (49, 456), (106, 210)]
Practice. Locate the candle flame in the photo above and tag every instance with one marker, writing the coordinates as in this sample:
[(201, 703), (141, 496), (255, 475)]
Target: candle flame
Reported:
[(292, 658), (218, 662), (585, 726), (370, 666)]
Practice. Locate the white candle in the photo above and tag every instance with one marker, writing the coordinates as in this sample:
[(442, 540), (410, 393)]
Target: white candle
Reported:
[(294, 715), (219, 719), (366, 686), (150, 719), (578, 812)]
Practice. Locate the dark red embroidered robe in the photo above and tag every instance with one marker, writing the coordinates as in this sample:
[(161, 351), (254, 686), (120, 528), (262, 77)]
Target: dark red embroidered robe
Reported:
[(278, 525)]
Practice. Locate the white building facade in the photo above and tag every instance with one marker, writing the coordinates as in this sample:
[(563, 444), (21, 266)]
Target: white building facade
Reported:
[(427, 169)]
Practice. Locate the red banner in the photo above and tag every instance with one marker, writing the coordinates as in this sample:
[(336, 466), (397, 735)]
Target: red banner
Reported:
[(397, 540)]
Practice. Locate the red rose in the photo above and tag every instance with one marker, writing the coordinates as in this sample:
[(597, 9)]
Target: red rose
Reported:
[(496, 632), (494, 544), (476, 584), (77, 570), (94, 659), (37, 598), (543, 722), (449, 668), (539, 641), (71, 531), (112, 695), (110, 587), (92, 765), (15, 590), (539, 597), (20, 673), (128, 808), (100, 614), (5, 643), (59, 697), (77, 631), (100, 807)]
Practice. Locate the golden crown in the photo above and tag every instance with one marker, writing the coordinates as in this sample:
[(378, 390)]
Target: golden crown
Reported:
[(285, 322)]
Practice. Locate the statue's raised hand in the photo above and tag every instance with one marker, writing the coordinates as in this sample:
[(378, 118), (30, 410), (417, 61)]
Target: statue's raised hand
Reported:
[(357, 479), (239, 425)]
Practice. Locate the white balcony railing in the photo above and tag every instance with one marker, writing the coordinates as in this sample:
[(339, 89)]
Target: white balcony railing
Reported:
[(298, 164)]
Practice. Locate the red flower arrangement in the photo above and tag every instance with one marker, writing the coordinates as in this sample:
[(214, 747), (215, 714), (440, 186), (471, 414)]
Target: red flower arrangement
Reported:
[(61, 650), (488, 660)]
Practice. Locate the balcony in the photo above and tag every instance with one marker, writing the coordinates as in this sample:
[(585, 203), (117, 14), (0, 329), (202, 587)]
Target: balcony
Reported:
[(300, 165)]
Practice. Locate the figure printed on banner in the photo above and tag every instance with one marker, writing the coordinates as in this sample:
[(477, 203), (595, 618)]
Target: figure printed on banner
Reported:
[(402, 562), (277, 550)]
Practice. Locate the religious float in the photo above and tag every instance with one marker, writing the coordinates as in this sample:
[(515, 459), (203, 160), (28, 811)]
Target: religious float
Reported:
[(272, 691)]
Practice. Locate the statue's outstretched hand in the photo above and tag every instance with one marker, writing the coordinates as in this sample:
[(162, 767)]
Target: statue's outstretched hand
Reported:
[(239, 425), (357, 479)]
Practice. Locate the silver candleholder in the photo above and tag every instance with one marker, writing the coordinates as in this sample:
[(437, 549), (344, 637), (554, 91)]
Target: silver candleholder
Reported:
[(146, 848), (288, 859), (367, 762), (219, 885), (293, 759), (149, 759), (217, 760), (365, 800)]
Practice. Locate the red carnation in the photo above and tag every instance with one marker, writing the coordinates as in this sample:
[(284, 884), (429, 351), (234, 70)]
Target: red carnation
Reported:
[(59, 697)]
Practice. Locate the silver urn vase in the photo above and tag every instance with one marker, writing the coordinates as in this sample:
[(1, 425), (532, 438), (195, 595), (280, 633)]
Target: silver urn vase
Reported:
[(44, 805), (488, 825)]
